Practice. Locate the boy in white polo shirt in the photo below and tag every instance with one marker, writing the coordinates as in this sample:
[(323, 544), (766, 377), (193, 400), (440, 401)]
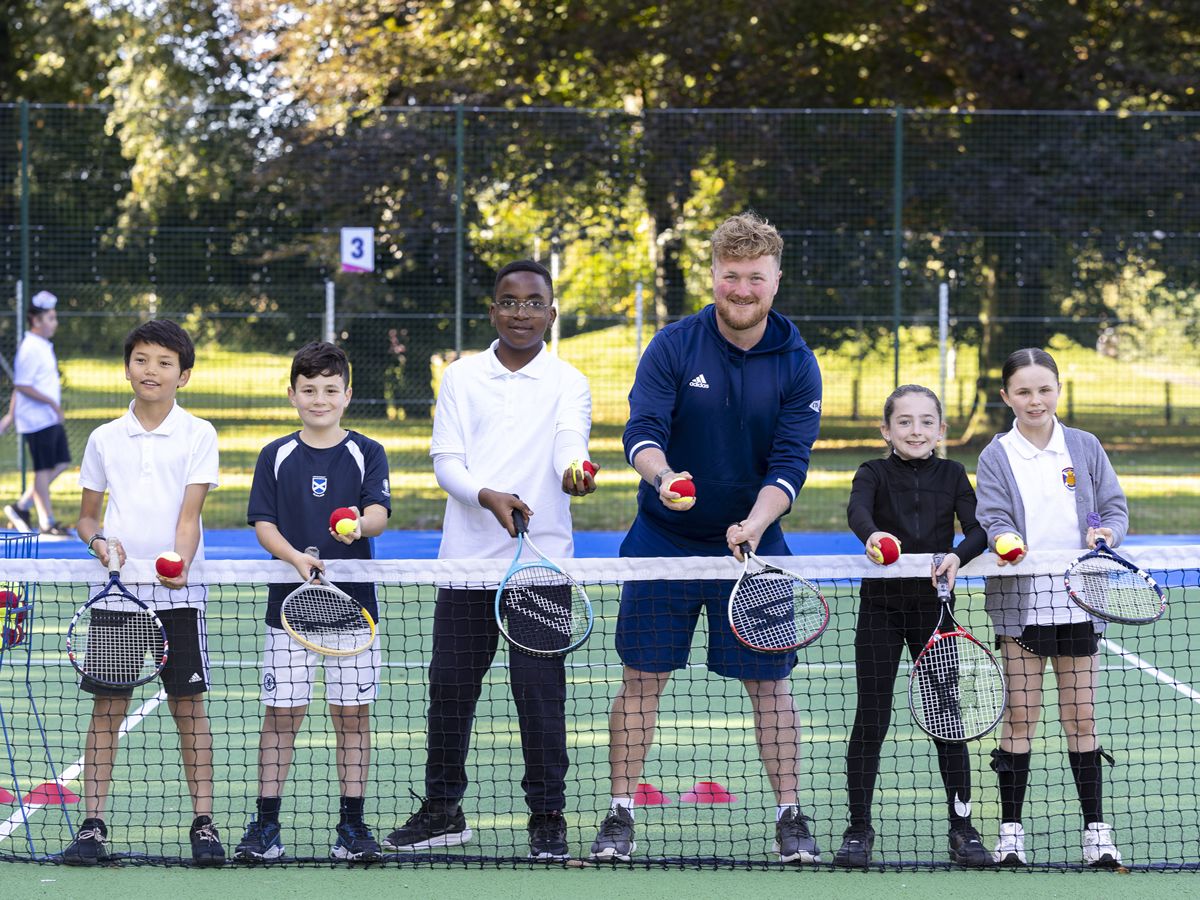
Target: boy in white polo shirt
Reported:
[(37, 409), (157, 463), (509, 422)]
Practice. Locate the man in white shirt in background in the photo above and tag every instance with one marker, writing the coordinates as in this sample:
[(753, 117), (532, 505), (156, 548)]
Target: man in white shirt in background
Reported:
[(37, 409), (509, 422)]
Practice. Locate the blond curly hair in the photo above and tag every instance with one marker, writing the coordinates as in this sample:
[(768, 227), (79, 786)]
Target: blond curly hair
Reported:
[(746, 236)]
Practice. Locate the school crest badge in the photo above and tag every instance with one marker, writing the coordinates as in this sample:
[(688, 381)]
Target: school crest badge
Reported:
[(1068, 477), (320, 484)]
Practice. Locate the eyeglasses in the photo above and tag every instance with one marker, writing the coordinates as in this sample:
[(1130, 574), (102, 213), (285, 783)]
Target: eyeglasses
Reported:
[(509, 306)]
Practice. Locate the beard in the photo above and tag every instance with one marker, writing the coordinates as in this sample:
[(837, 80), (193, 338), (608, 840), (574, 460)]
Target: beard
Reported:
[(741, 318)]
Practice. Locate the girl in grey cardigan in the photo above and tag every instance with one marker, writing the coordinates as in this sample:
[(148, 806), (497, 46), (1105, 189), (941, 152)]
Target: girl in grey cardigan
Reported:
[(1039, 481)]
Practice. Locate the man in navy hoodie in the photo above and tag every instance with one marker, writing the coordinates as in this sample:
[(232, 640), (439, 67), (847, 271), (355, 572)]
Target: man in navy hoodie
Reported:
[(729, 398)]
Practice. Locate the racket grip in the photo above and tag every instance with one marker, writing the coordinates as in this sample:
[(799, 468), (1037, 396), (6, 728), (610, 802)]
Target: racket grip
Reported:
[(315, 554), (114, 563), (520, 521)]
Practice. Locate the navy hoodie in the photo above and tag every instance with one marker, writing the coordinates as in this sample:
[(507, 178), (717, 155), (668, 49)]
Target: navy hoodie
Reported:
[(735, 419)]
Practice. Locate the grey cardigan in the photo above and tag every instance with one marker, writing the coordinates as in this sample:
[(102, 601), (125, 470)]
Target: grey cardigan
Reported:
[(1001, 510)]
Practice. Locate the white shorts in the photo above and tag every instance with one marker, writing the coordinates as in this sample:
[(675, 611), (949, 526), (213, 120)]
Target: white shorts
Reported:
[(289, 672)]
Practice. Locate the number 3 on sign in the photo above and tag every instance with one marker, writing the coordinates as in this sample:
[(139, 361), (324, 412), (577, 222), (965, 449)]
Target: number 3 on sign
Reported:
[(358, 249)]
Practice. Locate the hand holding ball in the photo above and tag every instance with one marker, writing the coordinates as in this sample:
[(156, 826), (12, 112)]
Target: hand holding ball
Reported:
[(1010, 547), (169, 565), (343, 521), (886, 553), (684, 488), (589, 467)]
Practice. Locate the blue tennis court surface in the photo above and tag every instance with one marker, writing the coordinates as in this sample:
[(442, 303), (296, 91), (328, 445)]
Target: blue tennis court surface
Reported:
[(239, 543)]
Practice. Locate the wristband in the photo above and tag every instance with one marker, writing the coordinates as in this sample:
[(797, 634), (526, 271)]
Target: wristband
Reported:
[(658, 479), (98, 536)]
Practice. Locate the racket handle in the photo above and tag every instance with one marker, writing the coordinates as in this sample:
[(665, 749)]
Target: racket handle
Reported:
[(520, 522), (114, 564), (315, 554), (1093, 520), (943, 582)]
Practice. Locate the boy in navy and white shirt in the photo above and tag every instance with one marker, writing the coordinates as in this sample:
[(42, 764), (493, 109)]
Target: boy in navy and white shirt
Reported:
[(299, 481)]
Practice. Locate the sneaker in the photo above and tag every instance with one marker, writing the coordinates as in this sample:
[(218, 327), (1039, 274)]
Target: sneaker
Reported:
[(88, 847), (207, 849), (18, 518), (260, 842), (793, 841), (966, 848), (57, 531), (615, 840), (1098, 847), (1010, 848), (855, 852), (548, 837), (355, 843), (434, 825)]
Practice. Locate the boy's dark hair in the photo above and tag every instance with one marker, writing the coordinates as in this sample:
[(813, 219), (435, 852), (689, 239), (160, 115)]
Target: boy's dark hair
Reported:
[(33, 314), (524, 265), (1020, 359), (163, 333), (320, 358)]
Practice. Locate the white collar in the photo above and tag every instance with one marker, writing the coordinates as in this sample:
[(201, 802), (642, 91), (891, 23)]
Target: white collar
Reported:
[(1021, 444), (133, 426), (535, 368)]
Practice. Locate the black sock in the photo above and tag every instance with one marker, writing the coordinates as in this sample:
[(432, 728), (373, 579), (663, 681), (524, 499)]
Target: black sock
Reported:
[(351, 810), (955, 765), (1012, 770), (1089, 780), (268, 809)]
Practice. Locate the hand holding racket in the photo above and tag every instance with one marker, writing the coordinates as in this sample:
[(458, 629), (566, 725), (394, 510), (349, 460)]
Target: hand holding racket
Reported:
[(956, 688), (540, 609), (115, 639), (1112, 588), (326, 619), (772, 610)]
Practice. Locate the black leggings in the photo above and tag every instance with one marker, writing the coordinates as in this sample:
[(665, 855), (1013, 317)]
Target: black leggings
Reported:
[(907, 615)]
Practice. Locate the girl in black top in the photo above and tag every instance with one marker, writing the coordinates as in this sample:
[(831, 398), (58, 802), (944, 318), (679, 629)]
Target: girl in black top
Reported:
[(912, 496)]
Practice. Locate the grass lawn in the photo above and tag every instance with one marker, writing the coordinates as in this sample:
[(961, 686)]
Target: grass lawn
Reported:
[(244, 395)]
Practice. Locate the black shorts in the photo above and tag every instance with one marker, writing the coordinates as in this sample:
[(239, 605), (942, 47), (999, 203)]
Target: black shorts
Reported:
[(186, 671), (1069, 639), (48, 447)]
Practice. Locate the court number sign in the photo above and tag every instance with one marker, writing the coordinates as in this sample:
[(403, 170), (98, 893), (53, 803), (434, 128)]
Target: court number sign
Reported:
[(358, 249)]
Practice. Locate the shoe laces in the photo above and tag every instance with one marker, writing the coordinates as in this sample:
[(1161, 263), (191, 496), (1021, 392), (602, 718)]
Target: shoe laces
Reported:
[(798, 822), (355, 831), (92, 833), (206, 832), (615, 823), (547, 825)]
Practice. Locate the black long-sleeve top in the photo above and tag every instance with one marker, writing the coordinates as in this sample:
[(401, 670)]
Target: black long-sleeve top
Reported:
[(917, 501)]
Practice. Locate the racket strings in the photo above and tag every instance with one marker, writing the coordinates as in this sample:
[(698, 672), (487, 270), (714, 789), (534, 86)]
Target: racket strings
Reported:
[(120, 647), (773, 611), (327, 617), (960, 693), (1111, 589), (543, 610)]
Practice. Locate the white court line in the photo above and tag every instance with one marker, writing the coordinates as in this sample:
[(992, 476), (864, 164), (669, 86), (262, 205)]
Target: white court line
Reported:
[(72, 772), (1138, 663)]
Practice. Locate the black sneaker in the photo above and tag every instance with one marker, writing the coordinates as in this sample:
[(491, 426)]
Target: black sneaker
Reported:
[(793, 841), (57, 531), (435, 824), (355, 843), (18, 518), (615, 840), (88, 848), (262, 841), (855, 852), (548, 837), (966, 848), (207, 849)]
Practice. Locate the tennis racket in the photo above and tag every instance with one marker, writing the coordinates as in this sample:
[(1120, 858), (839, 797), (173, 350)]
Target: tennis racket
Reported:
[(326, 619), (115, 639), (956, 688), (772, 610), (1112, 588), (540, 609)]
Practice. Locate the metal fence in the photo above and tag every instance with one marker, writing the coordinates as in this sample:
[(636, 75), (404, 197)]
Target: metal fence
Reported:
[(1079, 232)]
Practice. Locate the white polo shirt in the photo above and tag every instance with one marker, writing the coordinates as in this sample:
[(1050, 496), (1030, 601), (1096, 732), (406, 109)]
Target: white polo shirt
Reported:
[(146, 474), (505, 424), (1046, 480), (36, 366)]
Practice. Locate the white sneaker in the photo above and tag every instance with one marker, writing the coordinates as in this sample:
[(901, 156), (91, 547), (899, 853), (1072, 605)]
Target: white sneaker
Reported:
[(1010, 849), (1098, 846)]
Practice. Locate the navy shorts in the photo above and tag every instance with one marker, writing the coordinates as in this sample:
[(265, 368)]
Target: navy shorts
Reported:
[(1068, 639), (48, 447), (186, 671), (658, 618)]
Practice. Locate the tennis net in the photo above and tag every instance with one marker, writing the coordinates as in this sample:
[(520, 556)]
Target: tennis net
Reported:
[(704, 798)]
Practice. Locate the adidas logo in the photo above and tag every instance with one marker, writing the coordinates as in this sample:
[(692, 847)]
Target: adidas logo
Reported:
[(195, 678), (699, 381)]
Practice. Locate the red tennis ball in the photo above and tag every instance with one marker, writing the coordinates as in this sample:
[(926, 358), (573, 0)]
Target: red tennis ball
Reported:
[(890, 549), (683, 487), (169, 564), (589, 467), (342, 514), (1009, 546)]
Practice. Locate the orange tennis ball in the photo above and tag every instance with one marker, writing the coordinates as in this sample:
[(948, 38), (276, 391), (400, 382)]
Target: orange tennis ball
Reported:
[(342, 520), (685, 488), (169, 564), (1009, 546), (887, 552)]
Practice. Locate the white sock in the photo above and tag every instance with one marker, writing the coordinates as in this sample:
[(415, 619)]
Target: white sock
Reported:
[(780, 810), (625, 803)]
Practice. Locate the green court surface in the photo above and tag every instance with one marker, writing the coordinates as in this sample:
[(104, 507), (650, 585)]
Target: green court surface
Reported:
[(1148, 722)]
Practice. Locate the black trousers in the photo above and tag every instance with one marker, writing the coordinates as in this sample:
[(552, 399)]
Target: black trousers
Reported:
[(905, 616), (465, 637)]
